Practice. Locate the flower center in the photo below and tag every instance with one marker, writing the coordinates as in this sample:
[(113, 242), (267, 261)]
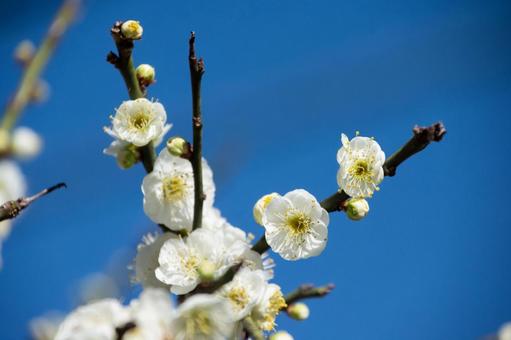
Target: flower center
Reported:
[(198, 322), (298, 222), (238, 296), (191, 263), (174, 188), (140, 120), (275, 305), (360, 170)]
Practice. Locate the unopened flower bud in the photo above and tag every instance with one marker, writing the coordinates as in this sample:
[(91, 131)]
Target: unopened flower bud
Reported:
[(40, 92), (24, 52), (145, 74), (261, 205), (356, 208), (298, 311), (26, 143), (281, 335), (127, 156), (131, 29), (178, 147), (206, 271)]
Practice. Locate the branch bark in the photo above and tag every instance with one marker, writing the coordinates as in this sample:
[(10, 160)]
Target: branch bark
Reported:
[(123, 61), (21, 98), (308, 291), (422, 137), (196, 71), (12, 209)]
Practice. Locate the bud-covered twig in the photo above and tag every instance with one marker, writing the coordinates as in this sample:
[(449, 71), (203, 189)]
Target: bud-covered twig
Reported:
[(196, 72), (13, 208), (307, 291), (35, 66), (123, 34)]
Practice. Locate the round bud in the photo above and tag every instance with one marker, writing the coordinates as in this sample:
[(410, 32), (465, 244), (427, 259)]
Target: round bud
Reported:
[(127, 156), (298, 311), (206, 271), (281, 335), (145, 74), (24, 52), (26, 143), (261, 205), (40, 92), (131, 29), (178, 147), (356, 208)]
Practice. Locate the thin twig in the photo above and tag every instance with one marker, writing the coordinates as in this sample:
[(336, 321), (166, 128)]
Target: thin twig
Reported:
[(422, 137), (308, 291), (123, 61), (32, 73), (196, 72), (210, 287), (13, 208)]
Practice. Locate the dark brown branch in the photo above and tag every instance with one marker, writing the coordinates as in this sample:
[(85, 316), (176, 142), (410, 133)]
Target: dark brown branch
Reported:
[(12, 209), (308, 291), (196, 72), (122, 330), (123, 61), (422, 137)]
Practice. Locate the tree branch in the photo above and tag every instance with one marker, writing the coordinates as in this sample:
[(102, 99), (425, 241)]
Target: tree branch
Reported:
[(123, 61), (210, 287), (422, 137), (308, 291), (32, 73), (12, 209), (196, 72)]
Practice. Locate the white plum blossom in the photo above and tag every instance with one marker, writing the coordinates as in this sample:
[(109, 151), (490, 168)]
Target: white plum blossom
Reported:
[(203, 317), (356, 208), (12, 186), (169, 191), (261, 205), (504, 332), (26, 143), (181, 258), (244, 291), (152, 315), (146, 260), (139, 122), (268, 307), (96, 321), (45, 327), (296, 226), (361, 166)]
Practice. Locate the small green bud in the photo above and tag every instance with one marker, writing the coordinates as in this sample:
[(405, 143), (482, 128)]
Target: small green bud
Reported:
[(131, 29), (178, 147), (127, 157), (356, 208), (206, 271), (145, 74), (298, 311), (281, 335)]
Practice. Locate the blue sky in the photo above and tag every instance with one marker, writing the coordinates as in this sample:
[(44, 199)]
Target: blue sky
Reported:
[(284, 79)]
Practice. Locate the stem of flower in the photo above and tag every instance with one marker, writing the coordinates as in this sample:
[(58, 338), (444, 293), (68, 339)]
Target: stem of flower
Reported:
[(32, 73), (307, 291), (252, 330), (123, 61), (13, 208), (422, 137), (196, 71)]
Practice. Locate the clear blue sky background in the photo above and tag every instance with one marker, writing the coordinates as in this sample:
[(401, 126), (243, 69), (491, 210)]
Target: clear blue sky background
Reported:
[(284, 79)]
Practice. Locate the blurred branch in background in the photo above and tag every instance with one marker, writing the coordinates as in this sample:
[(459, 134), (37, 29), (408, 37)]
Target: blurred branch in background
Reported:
[(35, 66)]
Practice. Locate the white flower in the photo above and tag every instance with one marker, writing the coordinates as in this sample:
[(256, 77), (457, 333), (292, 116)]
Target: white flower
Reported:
[(152, 315), (26, 143), (203, 317), (504, 332), (180, 259), (281, 335), (131, 29), (169, 191), (357, 208), (244, 291), (267, 309), (45, 327), (139, 122), (12, 186), (96, 321), (146, 260), (296, 225), (361, 166), (261, 205)]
